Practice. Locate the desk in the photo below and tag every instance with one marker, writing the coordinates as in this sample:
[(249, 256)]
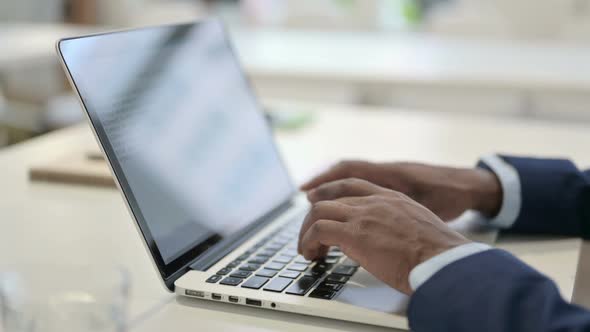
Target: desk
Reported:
[(55, 223)]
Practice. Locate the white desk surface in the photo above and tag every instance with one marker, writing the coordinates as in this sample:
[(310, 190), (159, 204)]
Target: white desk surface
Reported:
[(46, 223)]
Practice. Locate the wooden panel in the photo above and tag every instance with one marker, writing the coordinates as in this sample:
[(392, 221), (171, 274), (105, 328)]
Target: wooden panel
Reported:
[(76, 168)]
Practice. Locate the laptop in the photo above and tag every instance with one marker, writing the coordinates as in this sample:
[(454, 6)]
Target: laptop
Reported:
[(195, 160)]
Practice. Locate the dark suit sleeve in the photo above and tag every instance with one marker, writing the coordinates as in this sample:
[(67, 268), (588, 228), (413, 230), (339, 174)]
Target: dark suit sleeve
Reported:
[(492, 291), (555, 197)]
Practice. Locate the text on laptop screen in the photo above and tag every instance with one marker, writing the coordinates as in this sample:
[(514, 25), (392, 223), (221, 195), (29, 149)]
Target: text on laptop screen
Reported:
[(197, 157)]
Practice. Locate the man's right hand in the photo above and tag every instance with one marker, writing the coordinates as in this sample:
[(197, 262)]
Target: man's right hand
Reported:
[(446, 191)]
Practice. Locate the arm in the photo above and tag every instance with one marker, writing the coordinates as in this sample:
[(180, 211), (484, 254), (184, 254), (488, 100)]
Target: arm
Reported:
[(404, 244), (544, 196), (492, 291), (455, 285)]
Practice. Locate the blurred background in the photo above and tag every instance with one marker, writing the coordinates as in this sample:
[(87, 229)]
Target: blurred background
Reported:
[(502, 58)]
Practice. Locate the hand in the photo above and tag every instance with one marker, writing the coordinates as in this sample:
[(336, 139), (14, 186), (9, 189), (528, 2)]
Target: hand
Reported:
[(385, 231), (446, 191)]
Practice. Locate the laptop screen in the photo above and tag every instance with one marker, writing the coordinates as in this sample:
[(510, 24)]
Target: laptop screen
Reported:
[(184, 134)]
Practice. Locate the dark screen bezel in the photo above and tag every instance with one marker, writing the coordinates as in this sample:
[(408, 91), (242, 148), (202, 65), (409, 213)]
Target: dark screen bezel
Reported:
[(173, 270)]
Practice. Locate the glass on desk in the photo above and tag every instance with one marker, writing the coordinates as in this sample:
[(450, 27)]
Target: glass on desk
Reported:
[(58, 299)]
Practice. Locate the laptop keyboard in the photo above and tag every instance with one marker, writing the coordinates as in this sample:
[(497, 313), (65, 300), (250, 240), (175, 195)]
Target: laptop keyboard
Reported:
[(273, 265)]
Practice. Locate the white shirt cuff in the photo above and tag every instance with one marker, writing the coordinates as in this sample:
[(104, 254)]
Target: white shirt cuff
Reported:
[(425, 270), (511, 190)]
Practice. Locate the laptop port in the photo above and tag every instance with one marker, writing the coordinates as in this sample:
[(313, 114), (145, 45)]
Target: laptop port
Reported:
[(194, 293), (257, 303), (216, 296), (234, 299)]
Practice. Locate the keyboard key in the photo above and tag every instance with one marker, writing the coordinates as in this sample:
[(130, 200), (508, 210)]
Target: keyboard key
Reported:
[(297, 267), (322, 294), (302, 286), (213, 279), (258, 260), (284, 238), (249, 267), (231, 281), (331, 260), (274, 247), (335, 249), (281, 241), (289, 253), (278, 285), (290, 274), (241, 274), (224, 271), (334, 254), (255, 282), (302, 260), (315, 273), (331, 286), (243, 257), (274, 266), (282, 259), (337, 278), (321, 266), (271, 250), (344, 270), (234, 264), (267, 253), (350, 262), (266, 273)]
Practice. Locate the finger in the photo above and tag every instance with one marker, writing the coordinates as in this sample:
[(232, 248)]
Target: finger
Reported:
[(323, 234), (349, 187), (355, 201), (338, 171), (330, 210), (340, 209), (342, 170)]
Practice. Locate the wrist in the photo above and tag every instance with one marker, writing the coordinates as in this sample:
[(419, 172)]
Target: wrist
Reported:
[(432, 244), (426, 270), (486, 193)]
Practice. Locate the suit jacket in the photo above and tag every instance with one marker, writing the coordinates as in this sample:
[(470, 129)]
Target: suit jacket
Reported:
[(494, 291)]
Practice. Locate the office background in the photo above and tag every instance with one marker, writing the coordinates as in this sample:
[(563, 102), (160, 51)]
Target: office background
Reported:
[(502, 58), (438, 81)]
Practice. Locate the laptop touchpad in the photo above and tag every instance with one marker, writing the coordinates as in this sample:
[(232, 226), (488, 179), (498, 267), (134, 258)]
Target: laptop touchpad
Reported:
[(364, 290)]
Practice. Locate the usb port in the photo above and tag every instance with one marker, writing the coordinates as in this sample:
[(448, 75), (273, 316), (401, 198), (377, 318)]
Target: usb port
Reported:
[(233, 299), (257, 303), (216, 296), (194, 293)]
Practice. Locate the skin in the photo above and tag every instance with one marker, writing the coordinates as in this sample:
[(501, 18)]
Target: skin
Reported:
[(389, 217)]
